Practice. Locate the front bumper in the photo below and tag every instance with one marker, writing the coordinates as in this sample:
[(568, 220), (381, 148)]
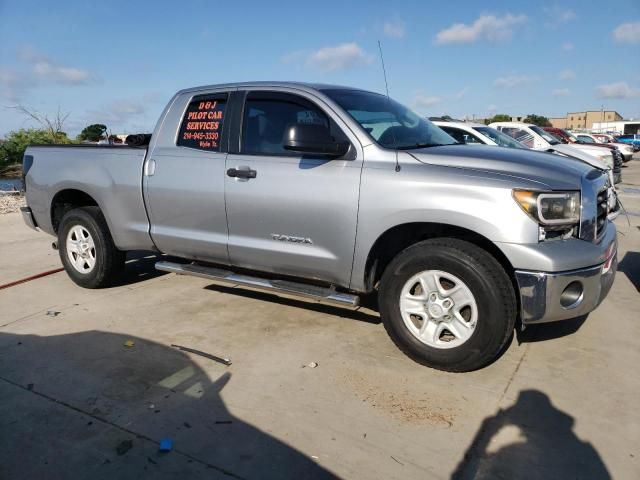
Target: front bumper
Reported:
[(548, 297), (27, 216)]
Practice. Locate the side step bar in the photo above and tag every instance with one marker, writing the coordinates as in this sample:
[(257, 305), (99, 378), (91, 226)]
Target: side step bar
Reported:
[(322, 294)]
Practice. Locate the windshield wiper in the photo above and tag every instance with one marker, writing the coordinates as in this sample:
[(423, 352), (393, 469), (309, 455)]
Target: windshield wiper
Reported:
[(422, 145)]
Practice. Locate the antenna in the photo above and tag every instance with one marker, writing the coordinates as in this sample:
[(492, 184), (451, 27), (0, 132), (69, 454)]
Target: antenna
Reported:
[(386, 86)]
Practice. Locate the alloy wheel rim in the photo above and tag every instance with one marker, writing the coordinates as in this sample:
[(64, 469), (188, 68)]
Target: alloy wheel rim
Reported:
[(81, 249), (438, 309)]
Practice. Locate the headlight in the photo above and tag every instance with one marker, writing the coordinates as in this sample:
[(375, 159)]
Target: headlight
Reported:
[(557, 212)]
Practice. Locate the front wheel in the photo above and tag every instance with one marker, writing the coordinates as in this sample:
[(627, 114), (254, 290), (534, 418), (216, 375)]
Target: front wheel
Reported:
[(447, 304), (87, 250)]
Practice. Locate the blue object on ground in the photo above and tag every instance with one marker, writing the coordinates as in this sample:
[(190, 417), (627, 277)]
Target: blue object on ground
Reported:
[(166, 444)]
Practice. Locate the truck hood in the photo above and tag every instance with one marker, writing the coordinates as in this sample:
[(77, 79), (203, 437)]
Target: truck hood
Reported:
[(554, 171)]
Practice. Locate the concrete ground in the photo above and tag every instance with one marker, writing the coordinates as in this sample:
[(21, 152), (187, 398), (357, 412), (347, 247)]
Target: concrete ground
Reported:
[(76, 402)]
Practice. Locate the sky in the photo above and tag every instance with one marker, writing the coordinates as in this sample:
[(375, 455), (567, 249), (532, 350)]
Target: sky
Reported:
[(118, 63)]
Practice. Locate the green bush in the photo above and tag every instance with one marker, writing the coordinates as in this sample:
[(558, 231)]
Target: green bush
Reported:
[(12, 147)]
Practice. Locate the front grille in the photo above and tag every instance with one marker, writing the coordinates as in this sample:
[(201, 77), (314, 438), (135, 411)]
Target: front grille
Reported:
[(601, 216)]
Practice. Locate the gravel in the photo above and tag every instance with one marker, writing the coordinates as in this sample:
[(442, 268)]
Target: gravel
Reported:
[(11, 203)]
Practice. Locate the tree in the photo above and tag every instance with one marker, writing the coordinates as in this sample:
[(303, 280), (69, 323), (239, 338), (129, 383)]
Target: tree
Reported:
[(93, 133), (500, 117), (54, 125), (537, 120), (15, 143)]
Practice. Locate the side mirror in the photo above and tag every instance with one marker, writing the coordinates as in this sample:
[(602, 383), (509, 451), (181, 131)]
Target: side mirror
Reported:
[(312, 139)]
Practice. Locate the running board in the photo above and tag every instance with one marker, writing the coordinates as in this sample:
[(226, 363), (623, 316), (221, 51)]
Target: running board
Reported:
[(322, 294)]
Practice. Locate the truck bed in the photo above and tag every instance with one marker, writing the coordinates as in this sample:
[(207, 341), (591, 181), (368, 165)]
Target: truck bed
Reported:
[(110, 174)]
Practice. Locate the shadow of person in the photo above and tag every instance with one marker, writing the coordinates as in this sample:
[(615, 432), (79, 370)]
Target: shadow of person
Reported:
[(530, 440), (69, 401), (630, 266)]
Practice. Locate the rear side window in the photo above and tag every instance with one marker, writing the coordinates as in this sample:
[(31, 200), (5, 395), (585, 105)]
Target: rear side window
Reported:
[(462, 136), (202, 123), (519, 135), (455, 133)]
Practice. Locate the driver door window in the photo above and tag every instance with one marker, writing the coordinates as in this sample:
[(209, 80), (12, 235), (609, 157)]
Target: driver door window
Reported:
[(267, 120)]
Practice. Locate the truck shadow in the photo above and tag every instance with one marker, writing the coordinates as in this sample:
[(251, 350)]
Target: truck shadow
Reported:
[(71, 401), (532, 439), (358, 314), (140, 266), (548, 331)]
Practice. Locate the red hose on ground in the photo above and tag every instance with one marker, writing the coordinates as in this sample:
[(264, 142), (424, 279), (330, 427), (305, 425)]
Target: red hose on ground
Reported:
[(32, 277)]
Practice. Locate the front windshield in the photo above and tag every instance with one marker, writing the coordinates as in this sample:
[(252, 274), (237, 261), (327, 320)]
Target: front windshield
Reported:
[(585, 139), (502, 139), (571, 136), (389, 123), (546, 135)]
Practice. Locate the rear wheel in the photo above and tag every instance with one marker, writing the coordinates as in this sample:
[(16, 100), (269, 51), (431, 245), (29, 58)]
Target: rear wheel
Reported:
[(447, 304), (87, 250)]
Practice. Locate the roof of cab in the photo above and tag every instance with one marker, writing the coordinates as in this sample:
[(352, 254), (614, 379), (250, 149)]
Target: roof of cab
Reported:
[(298, 85)]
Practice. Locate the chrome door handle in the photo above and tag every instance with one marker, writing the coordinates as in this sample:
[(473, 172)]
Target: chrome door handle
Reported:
[(242, 173)]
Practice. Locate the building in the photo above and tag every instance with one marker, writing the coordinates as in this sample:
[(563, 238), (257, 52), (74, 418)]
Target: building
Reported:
[(618, 128), (585, 120)]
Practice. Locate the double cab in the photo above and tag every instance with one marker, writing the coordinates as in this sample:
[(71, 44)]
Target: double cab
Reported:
[(338, 194)]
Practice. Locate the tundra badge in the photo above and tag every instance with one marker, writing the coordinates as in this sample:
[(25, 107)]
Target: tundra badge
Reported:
[(289, 238)]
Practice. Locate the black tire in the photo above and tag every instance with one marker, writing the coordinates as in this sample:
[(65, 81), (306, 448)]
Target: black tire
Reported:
[(489, 284), (109, 261)]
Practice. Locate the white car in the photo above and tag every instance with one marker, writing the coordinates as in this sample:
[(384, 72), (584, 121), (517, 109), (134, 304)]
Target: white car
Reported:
[(478, 133), (536, 138), (526, 136), (625, 149)]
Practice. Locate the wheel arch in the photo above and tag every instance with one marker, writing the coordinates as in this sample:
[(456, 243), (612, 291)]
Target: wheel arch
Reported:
[(66, 200), (395, 239)]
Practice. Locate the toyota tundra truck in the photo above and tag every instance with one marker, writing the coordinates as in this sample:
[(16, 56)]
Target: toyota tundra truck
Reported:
[(338, 194)]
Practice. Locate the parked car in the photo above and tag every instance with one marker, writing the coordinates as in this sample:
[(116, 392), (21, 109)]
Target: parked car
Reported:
[(535, 137), (626, 148), (632, 139), (616, 148), (335, 193), (477, 134), (606, 138), (566, 136)]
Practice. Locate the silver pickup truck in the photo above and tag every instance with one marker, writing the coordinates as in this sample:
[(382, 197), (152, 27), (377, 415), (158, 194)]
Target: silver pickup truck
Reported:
[(336, 193)]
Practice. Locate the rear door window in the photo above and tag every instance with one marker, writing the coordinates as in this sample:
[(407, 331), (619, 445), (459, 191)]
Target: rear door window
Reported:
[(520, 135), (455, 133), (202, 124)]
